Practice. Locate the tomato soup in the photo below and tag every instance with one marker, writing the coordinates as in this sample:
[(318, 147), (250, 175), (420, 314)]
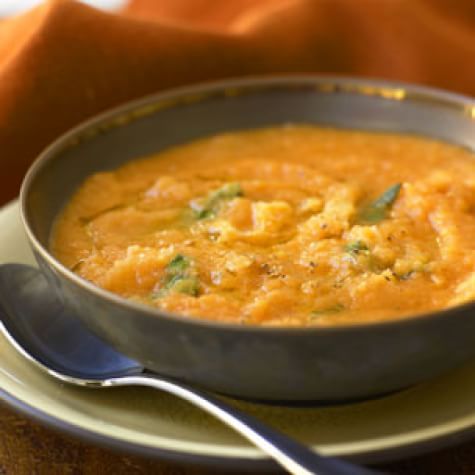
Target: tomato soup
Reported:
[(288, 226)]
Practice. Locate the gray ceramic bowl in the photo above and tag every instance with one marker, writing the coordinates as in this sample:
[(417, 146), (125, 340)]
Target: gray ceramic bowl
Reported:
[(345, 362)]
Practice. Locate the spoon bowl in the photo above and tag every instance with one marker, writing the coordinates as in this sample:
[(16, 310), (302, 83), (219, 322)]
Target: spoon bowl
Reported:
[(44, 332)]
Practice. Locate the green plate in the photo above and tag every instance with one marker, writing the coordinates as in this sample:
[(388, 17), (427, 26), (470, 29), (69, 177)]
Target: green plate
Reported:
[(429, 416)]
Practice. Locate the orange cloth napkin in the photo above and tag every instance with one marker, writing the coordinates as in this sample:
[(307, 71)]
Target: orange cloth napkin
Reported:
[(64, 61)]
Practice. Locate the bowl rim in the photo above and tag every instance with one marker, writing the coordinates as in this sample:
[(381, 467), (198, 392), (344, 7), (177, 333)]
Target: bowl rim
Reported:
[(147, 105)]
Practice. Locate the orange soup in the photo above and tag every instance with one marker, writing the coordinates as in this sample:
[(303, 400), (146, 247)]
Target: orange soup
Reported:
[(293, 225)]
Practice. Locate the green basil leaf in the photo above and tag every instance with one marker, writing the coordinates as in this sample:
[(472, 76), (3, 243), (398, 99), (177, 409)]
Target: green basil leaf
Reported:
[(178, 264), (378, 210), (184, 284), (177, 279), (337, 308), (209, 207), (355, 247)]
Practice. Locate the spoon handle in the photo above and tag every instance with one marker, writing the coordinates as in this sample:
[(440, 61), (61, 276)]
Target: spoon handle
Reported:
[(295, 457)]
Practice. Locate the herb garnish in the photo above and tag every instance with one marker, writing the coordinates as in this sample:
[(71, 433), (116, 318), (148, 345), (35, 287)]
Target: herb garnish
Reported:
[(360, 255), (355, 247), (178, 278), (208, 207), (178, 264), (184, 284), (405, 276), (379, 209), (337, 308)]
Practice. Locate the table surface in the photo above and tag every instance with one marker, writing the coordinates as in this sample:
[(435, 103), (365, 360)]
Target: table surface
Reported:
[(27, 447)]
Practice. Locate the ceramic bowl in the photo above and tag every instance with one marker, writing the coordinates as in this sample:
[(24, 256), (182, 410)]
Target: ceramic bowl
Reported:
[(290, 364)]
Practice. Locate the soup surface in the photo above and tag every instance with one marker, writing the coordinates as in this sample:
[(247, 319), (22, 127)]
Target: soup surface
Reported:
[(293, 225)]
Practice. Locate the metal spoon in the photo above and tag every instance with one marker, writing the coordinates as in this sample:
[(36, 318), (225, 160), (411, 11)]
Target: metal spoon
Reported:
[(37, 325)]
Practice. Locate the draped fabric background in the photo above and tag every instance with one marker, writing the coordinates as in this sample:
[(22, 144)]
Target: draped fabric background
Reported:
[(64, 61)]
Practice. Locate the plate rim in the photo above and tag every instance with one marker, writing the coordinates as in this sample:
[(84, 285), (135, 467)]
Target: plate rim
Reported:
[(261, 462)]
